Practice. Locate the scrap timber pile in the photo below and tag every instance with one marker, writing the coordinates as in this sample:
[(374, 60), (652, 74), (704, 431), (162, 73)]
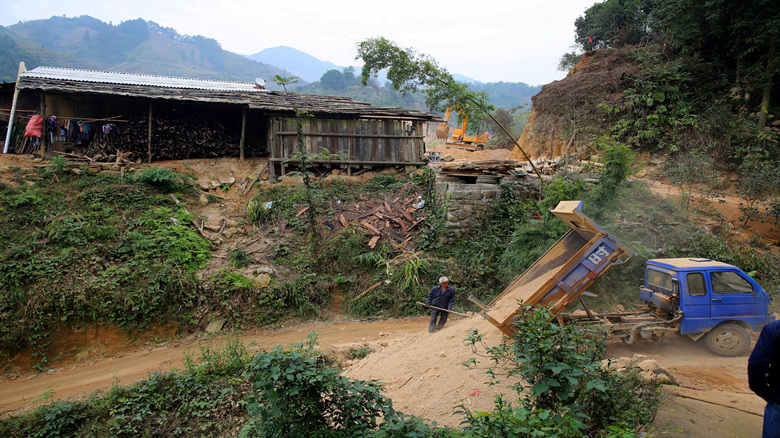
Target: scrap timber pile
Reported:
[(172, 139), (485, 167), (391, 216), (502, 168)]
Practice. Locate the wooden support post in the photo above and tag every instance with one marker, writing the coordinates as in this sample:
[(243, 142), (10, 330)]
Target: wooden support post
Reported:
[(44, 134), (22, 69), (270, 145), (243, 133), (149, 144)]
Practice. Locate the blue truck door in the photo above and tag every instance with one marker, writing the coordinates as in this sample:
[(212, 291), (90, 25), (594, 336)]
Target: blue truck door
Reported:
[(734, 297), (694, 303)]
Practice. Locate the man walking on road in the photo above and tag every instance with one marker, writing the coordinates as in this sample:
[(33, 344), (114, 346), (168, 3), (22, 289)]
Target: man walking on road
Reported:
[(442, 296), (764, 376)]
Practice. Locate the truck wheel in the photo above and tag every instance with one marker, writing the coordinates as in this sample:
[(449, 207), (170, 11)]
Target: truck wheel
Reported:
[(728, 340)]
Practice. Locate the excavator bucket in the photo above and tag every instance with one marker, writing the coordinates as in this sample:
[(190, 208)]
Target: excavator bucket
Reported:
[(442, 131)]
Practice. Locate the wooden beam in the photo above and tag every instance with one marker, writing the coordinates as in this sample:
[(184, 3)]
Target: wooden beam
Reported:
[(149, 141), (335, 134), (350, 162), (243, 133), (271, 147), (44, 134)]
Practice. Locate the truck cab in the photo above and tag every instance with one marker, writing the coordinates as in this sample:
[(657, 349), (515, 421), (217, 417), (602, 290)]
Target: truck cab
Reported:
[(711, 299)]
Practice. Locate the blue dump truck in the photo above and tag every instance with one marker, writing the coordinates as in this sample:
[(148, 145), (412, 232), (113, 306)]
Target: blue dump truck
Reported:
[(698, 298)]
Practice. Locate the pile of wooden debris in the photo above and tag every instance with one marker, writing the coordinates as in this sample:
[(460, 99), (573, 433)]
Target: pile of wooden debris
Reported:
[(505, 168), (484, 167), (394, 217)]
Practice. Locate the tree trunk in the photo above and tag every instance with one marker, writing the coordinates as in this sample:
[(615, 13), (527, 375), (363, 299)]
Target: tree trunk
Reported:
[(770, 71)]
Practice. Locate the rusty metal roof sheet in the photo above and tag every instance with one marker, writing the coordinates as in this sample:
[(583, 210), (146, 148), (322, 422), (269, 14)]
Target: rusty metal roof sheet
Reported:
[(107, 77)]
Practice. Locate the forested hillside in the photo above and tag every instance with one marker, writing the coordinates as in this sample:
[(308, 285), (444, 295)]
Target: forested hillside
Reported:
[(696, 83), (133, 46)]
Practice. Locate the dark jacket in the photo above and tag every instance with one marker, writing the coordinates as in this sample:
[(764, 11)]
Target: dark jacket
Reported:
[(441, 298), (764, 364)]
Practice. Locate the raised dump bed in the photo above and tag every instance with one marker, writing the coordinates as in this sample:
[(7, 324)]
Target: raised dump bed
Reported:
[(564, 272)]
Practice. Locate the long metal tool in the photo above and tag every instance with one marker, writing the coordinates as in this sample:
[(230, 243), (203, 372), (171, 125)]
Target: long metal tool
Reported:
[(445, 310)]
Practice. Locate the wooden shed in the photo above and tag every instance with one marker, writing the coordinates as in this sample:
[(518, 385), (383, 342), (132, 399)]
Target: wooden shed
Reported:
[(340, 131)]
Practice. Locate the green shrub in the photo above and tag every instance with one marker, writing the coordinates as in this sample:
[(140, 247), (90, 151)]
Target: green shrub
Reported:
[(296, 395), (164, 179), (238, 258), (358, 352), (58, 163), (561, 377), (506, 420)]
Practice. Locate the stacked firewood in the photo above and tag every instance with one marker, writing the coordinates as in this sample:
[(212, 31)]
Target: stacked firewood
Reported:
[(172, 139)]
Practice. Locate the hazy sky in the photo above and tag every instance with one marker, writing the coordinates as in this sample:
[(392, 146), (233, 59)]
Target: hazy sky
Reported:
[(487, 40)]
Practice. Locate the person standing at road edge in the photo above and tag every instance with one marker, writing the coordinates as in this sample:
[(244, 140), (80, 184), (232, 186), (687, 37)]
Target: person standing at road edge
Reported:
[(442, 296), (764, 376)]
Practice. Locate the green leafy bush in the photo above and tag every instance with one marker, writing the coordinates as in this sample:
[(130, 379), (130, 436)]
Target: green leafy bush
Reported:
[(164, 179), (562, 379), (294, 394), (238, 258)]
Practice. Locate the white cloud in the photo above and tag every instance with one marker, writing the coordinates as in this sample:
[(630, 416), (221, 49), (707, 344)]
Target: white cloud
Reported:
[(488, 40)]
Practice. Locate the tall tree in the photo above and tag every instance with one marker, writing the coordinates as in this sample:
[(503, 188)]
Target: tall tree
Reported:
[(615, 23), (333, 80), (738, 38), (410, 72)]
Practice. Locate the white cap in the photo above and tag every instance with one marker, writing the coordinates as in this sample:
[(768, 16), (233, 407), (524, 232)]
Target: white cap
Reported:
[(443, 279)]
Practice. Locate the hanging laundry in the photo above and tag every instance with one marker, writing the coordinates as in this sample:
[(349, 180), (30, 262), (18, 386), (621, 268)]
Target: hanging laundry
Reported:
[(34, 126), (72, 130), (51, 127), (84, 128)]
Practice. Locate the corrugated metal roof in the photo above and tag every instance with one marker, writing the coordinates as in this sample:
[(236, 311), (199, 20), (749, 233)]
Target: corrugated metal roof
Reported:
[(107, 77)]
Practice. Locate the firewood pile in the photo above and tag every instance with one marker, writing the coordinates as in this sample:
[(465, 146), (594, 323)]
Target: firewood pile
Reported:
[(172, 139), (394, 217)]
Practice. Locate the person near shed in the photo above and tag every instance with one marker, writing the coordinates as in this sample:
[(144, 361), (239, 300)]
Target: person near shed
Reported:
[(764, 376), (443, 297)]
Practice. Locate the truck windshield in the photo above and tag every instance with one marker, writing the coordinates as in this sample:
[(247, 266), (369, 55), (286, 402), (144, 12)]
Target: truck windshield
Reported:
[(660, 280), (728, 282)]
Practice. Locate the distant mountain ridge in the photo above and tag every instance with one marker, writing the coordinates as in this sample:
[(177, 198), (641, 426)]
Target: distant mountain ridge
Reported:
[(295, 62), (309, 68), (140, 46), (134, 46)]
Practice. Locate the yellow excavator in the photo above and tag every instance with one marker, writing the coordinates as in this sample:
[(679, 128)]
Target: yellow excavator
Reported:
[(459, 139)]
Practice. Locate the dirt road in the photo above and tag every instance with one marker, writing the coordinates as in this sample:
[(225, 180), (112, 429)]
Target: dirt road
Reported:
[(19, 394), (712, 400)]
